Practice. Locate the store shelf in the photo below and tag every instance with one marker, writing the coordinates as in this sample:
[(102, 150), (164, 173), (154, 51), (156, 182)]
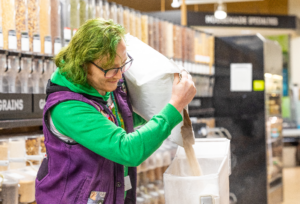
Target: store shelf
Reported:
[(273, 140), (21, 123), (279, 176), (291, 133)]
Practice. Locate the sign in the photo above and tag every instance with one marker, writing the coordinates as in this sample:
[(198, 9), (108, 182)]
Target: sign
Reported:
[(39, 103), (242, 20), (241, 77)]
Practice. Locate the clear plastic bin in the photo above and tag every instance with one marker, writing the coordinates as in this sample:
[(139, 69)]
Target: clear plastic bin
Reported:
[(36, 84), (22, 25), (16, 153), (74, 16), (33, 156), (91, 9), (99, 9), (56, 26), (113, 12), (106, 10), (145, 29), (126, 19), (9, 192), (34, 26), (9, 25), (138, 25), (26, 69), (3, 154), (120, 15), (48, 70), (12, 72), (45, 26), (83, 11), (132, 22), (214, 158), (3, 66)]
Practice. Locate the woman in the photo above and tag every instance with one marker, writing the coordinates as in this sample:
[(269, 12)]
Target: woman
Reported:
[(92, 148)]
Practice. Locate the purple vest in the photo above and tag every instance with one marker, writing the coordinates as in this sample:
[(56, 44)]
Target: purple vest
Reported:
[(71, 173)]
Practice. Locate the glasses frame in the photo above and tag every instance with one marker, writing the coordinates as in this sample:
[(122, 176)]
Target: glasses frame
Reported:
[(119, 68)]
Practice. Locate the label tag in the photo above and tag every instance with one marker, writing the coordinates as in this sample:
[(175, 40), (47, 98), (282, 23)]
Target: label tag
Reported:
[(12, 40), (57, 46), (47, 45), (127, 183), (36, 43), (67, 33), (24, 41)]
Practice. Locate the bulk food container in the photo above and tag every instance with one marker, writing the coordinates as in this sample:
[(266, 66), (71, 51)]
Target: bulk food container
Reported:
[(91, 9), (9, 25), (138, 25), (120, 15), (83, 11), (65, 22), (151, 31), (45, 26), (33, 156), (26, 183), (145, 29), (126, 19), (36, 77), (3, 154), (156, 34), (132, 22), (3, 65), (25, 71), (34, 26), (99, 9), (113, 13), (13, 65), (9, 190), (48, 70), (16, 153), (22, 25), (151, 168), (213, 156), (169, 40), (106, 10), (74, 16), (56, 26)]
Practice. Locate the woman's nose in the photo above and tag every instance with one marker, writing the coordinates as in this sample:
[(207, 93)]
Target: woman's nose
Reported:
[(119, 74)]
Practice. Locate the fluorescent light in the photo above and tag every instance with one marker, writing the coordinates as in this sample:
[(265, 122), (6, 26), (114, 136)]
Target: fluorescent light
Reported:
[(220, 12), (175, 4)]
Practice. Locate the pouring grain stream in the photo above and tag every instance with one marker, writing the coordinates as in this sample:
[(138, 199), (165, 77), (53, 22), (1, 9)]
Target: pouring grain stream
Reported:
[(188, 141)]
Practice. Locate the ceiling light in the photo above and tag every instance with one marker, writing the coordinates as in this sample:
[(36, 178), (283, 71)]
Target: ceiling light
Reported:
[(175, 4), (220, 11)]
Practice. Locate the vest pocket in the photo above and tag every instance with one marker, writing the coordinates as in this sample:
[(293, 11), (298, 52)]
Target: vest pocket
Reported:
[(43, 171), (83, 192)]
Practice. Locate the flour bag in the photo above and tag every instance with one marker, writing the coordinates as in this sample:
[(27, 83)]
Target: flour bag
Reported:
[(150, 81)]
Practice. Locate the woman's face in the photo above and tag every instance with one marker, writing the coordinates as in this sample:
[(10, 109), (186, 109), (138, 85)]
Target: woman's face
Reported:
[(96, 76)]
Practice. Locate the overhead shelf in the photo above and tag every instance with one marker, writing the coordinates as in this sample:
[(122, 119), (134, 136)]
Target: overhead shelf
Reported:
[(21, 123)]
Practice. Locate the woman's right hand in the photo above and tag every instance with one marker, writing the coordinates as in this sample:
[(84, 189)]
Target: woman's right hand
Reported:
[(183, 91)]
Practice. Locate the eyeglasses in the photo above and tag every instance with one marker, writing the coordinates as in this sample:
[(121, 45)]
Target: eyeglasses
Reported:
[(109, 73)]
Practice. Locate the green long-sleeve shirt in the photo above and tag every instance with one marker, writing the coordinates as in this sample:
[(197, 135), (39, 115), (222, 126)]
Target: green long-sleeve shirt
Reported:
[(87, 126)]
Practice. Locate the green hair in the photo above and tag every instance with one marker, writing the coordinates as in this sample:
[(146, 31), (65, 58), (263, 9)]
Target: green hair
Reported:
[(95, 39)]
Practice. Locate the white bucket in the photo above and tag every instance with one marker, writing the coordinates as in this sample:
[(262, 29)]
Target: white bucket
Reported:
[(213, 156)]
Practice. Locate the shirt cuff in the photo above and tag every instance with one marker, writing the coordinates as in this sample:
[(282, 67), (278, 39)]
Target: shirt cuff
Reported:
[(173, 116)]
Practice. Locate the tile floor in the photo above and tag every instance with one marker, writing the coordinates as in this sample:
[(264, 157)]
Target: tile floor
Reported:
[(291, 185)]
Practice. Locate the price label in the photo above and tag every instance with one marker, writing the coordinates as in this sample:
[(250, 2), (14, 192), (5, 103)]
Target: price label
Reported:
[(12, 40), (48, 45), (36, 43), (24, 41), (67, 33)]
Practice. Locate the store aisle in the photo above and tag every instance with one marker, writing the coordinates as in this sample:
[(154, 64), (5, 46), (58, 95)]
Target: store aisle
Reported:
[(291, 185)]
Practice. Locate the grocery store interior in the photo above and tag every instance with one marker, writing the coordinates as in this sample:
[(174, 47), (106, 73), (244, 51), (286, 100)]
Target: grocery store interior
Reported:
[(243, 56)]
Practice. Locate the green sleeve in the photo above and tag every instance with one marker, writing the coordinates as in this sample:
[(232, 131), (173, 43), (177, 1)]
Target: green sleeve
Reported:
[(84, 124), (138, 120)]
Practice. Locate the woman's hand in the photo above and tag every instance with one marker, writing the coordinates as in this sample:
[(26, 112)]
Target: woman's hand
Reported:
[(183, 91)]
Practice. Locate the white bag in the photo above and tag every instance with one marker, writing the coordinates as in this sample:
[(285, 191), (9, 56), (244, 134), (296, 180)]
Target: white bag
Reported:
[(214, 159), (150, 81)]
